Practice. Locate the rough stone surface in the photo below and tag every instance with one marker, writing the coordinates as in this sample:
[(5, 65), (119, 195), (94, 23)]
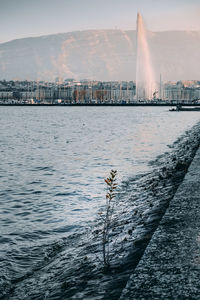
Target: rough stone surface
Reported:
[(170, 266)]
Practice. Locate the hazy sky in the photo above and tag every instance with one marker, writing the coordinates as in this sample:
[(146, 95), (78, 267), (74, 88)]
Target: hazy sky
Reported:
[(23, 18)]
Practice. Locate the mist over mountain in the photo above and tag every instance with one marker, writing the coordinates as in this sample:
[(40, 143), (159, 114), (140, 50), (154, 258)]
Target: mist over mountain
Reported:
[(99, 54)]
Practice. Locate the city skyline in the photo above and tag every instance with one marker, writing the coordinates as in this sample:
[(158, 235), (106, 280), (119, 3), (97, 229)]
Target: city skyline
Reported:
[(20, 19)]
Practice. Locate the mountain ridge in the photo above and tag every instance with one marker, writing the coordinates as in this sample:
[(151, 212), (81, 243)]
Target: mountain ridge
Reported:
[(89, 30), (99, 54)]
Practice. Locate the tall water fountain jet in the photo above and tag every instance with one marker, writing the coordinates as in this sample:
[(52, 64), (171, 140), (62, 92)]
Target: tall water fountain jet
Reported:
[(145, 80)]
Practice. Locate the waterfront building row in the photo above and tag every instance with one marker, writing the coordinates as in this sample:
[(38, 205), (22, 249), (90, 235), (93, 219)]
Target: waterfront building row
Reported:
[(92, 92)]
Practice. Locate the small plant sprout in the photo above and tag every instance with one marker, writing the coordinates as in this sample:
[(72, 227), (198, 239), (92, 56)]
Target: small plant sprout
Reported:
[(107, 216)]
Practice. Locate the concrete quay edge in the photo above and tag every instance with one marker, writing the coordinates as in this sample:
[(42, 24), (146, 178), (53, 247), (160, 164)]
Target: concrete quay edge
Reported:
[(170, 266)]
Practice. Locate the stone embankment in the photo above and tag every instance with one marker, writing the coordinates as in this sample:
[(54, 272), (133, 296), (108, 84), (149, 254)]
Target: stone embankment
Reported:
[(170, 266)]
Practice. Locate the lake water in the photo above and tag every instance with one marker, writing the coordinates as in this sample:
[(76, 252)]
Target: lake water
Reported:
[(53, 164)]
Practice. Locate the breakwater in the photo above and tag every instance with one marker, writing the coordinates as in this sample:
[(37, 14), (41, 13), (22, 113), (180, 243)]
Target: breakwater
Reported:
[(170, 267), (150, 103)]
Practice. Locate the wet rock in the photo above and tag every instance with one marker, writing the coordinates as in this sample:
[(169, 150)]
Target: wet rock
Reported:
[(181, 165), (130, 231), (167, 270)]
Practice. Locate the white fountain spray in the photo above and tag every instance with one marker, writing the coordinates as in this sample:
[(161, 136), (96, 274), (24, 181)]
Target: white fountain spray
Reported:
[(145, 80)]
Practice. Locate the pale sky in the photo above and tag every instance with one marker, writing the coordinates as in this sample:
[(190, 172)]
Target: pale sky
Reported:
[(24, 18)]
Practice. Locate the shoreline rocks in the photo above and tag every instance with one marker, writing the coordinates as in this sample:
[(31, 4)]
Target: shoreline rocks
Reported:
[(170, 267)]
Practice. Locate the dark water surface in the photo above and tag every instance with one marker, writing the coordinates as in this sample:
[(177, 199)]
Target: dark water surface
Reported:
[(53, 162)]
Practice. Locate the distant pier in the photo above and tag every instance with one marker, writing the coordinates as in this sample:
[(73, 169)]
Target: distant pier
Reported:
[(149, 103)]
